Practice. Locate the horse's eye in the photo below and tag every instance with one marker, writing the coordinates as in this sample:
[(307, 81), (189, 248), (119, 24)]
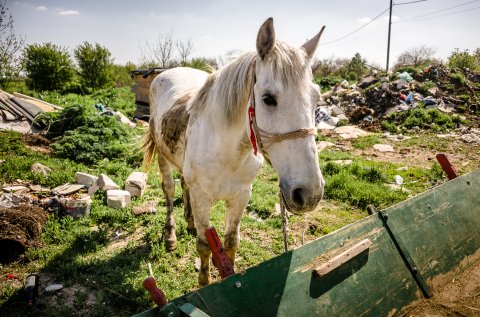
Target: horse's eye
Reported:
[(269, 100)]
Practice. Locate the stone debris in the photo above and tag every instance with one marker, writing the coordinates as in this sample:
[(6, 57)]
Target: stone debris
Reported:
[(77, 206), (322, 145), (343, 162), (383, 147), (136, 184), (40, 168), (85, 179), (350, 132), (106, 183), (13, 189), (117, 198), (67, 189)]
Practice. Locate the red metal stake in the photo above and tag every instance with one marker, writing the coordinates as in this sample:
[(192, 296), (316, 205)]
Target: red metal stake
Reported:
[(219, 256), (447, 166)]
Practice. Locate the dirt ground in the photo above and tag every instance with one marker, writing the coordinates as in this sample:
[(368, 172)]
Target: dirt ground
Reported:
[(460, 297)]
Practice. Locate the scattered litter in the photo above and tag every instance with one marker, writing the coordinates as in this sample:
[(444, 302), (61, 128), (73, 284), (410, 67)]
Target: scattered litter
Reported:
[(39, 189), (67, 189), (398, 180), (14, 189), (147, 208), (398, 137), (9, 200), (253, 215), (77, 206), (196, 264), (383, 147), (403, 168), (53, 287)]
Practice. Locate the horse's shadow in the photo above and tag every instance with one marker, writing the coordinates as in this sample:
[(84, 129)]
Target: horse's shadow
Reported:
[(98, 277)]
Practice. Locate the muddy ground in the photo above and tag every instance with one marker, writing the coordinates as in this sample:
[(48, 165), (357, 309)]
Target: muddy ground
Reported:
[(460, 297)]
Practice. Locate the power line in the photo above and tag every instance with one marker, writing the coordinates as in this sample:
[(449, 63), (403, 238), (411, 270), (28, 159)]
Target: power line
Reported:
[(402, 3), (437, 11), (443, 15), (358, 29)]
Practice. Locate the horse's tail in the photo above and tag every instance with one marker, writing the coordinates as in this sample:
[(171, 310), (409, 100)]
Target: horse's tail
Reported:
[(149, 148)]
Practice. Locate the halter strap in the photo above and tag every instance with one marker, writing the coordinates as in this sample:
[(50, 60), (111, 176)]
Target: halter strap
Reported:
[(261, 139)]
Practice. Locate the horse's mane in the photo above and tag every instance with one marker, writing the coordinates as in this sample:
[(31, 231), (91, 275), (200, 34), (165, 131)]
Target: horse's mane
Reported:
[(229, 88)]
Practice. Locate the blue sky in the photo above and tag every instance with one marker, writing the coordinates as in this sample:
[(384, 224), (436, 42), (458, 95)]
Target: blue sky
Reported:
[(216, 27)]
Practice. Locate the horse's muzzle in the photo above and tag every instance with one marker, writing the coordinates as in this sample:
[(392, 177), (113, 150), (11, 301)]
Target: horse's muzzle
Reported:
[(300, 199)]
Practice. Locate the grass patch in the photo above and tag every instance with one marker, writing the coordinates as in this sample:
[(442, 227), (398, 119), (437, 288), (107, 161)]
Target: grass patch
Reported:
[(365, 141)]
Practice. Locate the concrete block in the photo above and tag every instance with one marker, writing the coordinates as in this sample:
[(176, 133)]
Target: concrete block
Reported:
[(136, 184), (85, 179), (78, 206), (106, 183), (117, 198)]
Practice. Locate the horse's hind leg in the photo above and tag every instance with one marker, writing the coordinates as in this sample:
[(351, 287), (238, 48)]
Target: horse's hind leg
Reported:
[(235, 208), (187, 208), (168, 187)]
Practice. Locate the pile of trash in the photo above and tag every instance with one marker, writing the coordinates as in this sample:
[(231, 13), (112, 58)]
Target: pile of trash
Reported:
[(374, 97), (18, 111), (24, 207)]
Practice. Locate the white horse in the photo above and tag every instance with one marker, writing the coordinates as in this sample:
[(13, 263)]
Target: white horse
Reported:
[(209, 128)]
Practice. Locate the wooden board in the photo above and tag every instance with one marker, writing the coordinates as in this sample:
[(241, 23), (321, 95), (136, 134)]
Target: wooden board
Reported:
[(425, 239), (439, 230)]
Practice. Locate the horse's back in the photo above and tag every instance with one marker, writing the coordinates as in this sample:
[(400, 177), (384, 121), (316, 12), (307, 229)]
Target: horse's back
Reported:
[(173, 84)]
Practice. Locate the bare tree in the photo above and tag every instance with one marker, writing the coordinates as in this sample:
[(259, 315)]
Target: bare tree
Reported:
[(184, 50), (415, 56), (10, 47), (160, 52)]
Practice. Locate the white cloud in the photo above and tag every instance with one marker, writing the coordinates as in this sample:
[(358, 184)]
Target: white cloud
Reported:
[(364, 20), (41, 8), (68, 12), (394, 18)]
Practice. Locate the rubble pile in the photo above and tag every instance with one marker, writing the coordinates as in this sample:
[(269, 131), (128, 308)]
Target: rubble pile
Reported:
[(451, 91)]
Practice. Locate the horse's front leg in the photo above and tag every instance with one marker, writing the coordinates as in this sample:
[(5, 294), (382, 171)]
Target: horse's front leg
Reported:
[(201, 215), (235, 208), (168, 187)]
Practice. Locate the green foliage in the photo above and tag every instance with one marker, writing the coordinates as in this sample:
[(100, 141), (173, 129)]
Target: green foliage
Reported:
[(95, 65), (202, 64), (101, 137), (431, 119), (357, 67), (18, 160), (326, 83), (121, 74), (48, 67), (366, 141), (458, 78), (463, 59), (83, 135), (359, 186)]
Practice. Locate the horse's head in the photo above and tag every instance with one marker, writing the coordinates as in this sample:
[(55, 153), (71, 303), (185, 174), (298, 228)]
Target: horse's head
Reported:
[(285, 101)]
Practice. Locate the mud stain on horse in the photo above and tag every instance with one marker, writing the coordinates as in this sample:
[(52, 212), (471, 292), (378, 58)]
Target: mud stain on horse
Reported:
[(174, 123)]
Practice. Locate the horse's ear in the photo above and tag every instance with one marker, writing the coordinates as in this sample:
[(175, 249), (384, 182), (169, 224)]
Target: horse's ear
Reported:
[(311, 45), (265, 38)]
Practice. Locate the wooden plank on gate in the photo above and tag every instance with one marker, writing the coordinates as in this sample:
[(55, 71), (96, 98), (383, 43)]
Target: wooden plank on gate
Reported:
[(440, 229)]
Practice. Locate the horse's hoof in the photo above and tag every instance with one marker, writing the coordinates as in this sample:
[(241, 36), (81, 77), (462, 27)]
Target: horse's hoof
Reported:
[(204, 280), (192, 231), (170, 245)]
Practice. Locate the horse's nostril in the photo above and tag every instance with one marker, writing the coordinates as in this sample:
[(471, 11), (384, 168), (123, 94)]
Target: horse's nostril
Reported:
[(297, 197)]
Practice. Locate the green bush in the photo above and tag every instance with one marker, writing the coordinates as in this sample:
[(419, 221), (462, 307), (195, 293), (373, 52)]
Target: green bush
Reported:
[(95, 65), (327, 82), (463, 59), (47, 67)]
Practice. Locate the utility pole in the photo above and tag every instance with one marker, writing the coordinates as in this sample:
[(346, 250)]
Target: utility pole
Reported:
[(390, 24), (389, 32)]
